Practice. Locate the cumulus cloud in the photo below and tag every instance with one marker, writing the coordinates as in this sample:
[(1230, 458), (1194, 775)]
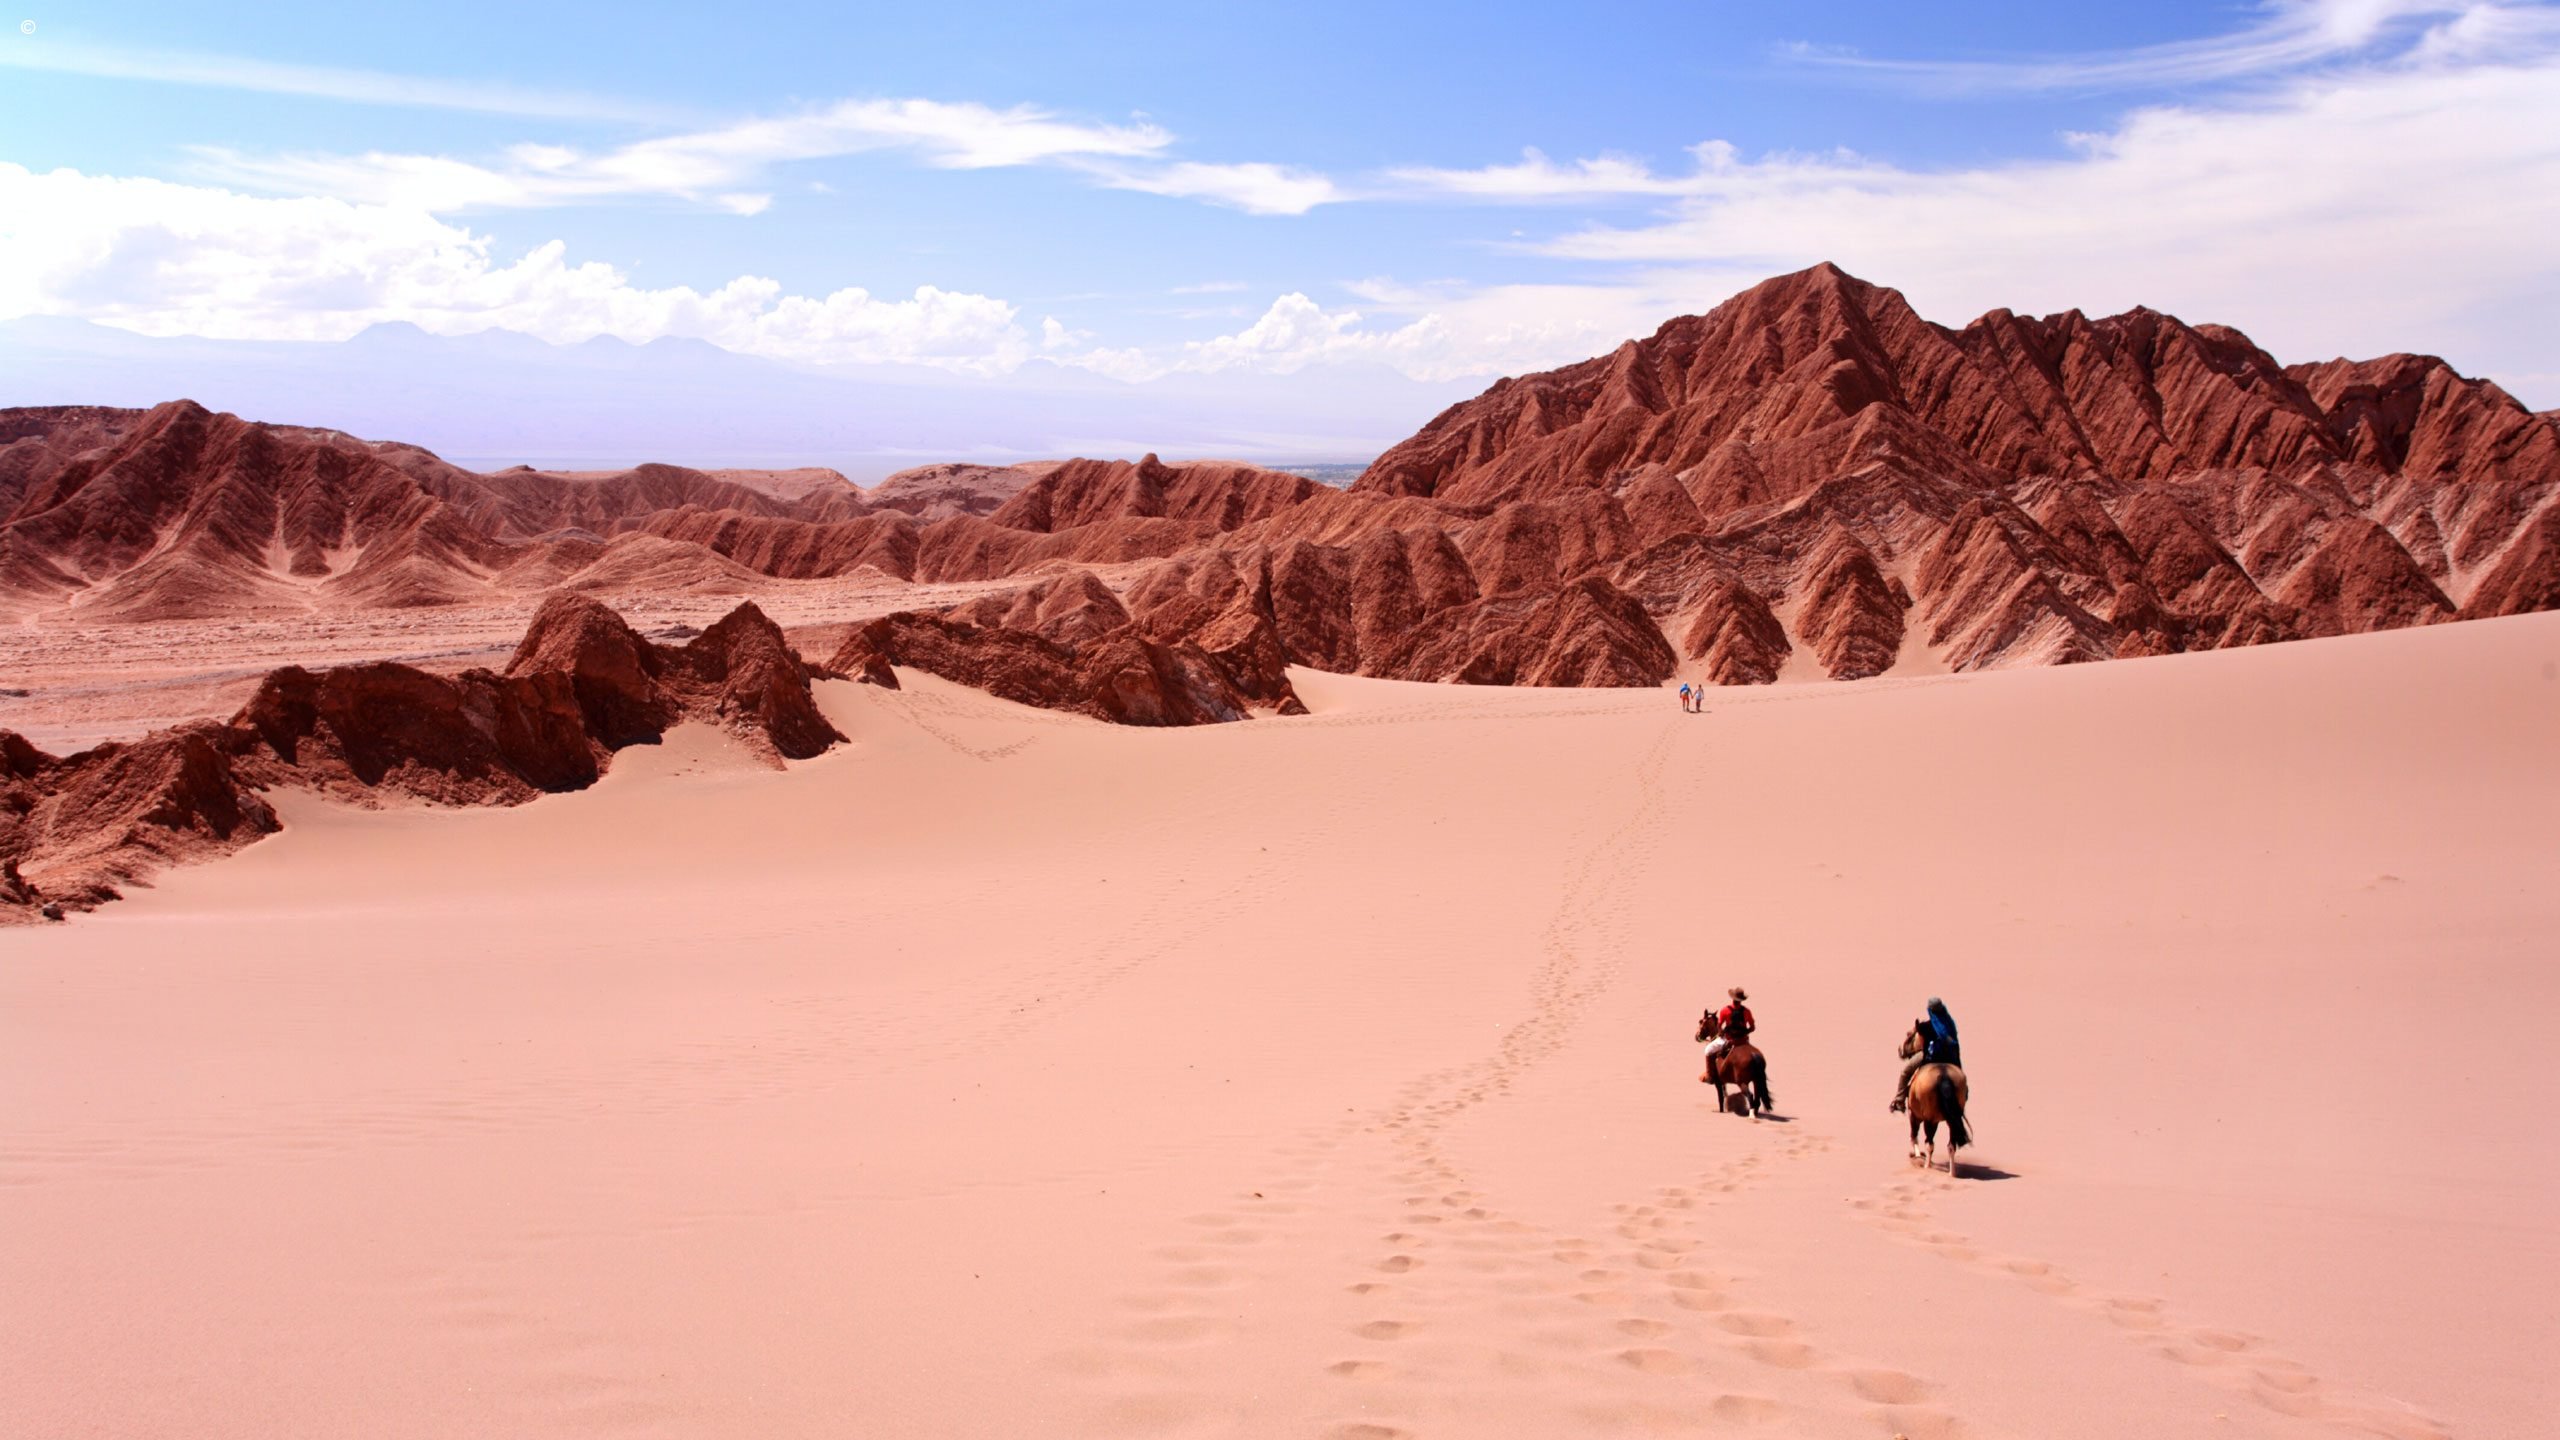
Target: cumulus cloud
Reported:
[(164, 258), (1451, 336)]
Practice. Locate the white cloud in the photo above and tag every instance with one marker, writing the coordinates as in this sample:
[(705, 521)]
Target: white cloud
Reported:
[(368, 87), (712, 166), (2289, 35), (1253, 187), (709, 166), (2386, 209), (167, 259), (1537, 178), (1502, 329), (2409, 205)]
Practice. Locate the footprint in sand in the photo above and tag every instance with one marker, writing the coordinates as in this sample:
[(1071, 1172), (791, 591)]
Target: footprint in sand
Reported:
[(1655, 1362), (1385, 1329), (1753, 1323), (1782, 1354), (1914, 1423), (1888, 1387), (2290, 1380), (1399, 1264), (2134, 1314), (1360, 1369), (1745, 1410)]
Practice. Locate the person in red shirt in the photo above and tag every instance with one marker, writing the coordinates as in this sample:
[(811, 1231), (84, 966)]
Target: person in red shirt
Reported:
[(1732, 1023)]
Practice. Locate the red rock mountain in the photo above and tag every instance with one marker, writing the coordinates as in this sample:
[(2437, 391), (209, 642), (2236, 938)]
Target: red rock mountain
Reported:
[(581, 686), (1812, 480), (1891, 491)]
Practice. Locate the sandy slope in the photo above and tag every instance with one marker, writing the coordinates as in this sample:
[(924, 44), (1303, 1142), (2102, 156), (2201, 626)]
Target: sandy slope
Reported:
[(1010, 1074)]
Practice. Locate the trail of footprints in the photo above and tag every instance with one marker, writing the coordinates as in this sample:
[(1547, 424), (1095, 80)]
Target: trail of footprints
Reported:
[(1629, 1328), (2233, 1359)]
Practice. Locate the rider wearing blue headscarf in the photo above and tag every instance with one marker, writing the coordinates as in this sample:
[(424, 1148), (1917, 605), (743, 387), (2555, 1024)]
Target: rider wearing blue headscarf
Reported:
[(1938, 1046)]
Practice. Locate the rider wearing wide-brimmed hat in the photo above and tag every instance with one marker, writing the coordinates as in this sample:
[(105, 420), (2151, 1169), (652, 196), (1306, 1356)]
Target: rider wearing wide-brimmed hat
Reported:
[(1732, 1023)]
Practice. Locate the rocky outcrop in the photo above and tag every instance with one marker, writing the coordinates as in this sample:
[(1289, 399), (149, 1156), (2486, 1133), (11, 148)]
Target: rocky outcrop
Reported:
[(1588, 633), (471, 739), (1850, 616), (1735, 636), (1121, 677), (74, 828), (1217, 494), (2527, 578), (1070, 610), (580, 686), (937, 492)]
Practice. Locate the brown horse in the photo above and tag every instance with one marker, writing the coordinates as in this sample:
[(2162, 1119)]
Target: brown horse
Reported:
[(1739, 1064), (1937, 1094)]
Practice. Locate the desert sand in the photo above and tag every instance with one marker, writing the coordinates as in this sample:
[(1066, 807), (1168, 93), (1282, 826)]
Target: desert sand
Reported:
[(1009, 1073)]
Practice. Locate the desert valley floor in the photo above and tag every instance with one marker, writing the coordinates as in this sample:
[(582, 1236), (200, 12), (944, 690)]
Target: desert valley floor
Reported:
[(1004, 1072)]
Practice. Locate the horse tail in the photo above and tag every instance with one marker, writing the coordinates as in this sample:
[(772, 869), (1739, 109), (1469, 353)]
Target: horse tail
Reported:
[(1760, 1079), (1951, 1105)]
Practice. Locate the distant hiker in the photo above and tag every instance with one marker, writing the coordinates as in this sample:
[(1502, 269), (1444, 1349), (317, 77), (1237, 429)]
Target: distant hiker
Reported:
[(1684, 695), (1938, 1046)]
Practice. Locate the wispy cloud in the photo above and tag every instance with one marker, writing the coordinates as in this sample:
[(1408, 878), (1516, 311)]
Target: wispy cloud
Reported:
[(1255, 187), (1537, 180), (716, 166), (2404, 206), (2287, 36), (721, 166), (724, 166), (319, 82)]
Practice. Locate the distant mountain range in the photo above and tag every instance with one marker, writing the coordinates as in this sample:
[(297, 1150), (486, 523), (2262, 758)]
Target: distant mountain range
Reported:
[(1810, 480), (498, 398)]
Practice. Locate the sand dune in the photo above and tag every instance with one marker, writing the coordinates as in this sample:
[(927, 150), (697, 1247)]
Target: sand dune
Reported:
[(1009, 1073)]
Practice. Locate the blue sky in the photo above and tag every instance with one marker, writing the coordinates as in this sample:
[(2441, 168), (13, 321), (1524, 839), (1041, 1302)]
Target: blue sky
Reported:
[(1305, 192)]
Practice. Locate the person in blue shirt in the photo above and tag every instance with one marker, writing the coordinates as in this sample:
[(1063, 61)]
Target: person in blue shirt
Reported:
[(1938, 1046)]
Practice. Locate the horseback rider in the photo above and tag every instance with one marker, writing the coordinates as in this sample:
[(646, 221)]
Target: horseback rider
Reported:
[(1938, 1046), (1732, 1023)]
